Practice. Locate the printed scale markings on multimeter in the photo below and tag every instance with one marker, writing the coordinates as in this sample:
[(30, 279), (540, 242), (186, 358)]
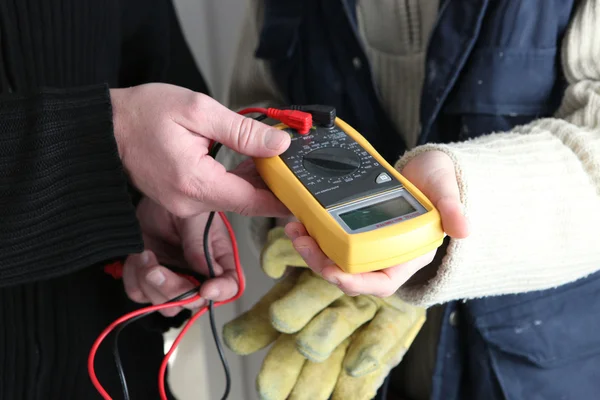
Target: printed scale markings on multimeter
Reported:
[(347, 181)]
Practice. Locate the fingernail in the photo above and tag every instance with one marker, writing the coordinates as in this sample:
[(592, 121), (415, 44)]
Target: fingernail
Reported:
[(144, 257), (156, 278), (274, 139), (212, 293), (304, 251)]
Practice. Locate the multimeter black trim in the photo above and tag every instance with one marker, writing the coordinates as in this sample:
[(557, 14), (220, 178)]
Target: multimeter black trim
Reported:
[(334, 168)]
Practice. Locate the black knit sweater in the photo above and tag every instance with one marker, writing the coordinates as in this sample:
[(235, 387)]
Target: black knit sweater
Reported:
[(65, 207)]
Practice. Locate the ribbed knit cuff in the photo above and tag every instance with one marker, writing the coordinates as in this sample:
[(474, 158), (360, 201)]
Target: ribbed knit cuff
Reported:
[(531, 198), (64, 198)]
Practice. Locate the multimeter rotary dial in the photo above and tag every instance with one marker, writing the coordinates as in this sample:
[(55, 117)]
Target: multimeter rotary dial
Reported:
[(330, 162), (334, 167)]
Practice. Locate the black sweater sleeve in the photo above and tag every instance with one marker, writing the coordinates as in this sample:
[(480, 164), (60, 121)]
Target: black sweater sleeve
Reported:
[(64, 203), (155, 49)]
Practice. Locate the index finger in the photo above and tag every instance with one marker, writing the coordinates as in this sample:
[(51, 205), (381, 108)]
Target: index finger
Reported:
[(221, 288), (226, 191), (382, 283)]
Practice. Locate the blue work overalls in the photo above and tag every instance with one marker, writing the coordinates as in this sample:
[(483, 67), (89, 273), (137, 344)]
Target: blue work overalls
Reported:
[(491, 65)]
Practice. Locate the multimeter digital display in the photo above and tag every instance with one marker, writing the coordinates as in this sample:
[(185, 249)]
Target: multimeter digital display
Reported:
[(363, 214), (371, 216)]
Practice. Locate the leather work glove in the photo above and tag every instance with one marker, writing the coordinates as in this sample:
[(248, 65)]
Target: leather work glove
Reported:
[(279, 254), (325, 344)]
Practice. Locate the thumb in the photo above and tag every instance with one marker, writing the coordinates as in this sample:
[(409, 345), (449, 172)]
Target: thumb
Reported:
[(434, 174), (246, 135)]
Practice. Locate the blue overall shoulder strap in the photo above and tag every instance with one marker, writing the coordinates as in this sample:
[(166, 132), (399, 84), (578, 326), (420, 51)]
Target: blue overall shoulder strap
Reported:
[(450, 45), (279, 33)]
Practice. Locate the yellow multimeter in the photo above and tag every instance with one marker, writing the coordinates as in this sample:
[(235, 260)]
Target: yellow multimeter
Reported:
[(363, 213)]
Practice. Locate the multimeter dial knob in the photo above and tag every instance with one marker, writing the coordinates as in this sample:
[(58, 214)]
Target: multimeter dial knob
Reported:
[(331, 162)]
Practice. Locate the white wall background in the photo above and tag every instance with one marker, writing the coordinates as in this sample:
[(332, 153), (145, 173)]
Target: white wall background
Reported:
[(212, 28)]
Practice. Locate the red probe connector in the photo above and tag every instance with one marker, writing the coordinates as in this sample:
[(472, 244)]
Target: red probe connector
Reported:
[(298, 120)]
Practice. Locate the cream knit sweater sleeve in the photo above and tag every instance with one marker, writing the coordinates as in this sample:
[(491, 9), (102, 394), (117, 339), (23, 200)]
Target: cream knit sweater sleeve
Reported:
[(532, 195)]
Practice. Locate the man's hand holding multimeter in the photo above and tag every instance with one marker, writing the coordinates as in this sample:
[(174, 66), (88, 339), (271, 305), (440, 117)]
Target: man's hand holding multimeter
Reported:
[(364, 227)]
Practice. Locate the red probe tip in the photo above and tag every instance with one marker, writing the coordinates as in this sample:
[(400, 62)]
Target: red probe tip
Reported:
[(298, 120)]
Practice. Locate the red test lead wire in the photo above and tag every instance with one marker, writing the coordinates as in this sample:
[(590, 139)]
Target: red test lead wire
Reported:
[(253, 110), (116, 271), (298, 120), (242, 287), (111, 327)]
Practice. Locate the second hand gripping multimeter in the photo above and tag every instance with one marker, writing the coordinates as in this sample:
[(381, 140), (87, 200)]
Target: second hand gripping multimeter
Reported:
[(363, 213)]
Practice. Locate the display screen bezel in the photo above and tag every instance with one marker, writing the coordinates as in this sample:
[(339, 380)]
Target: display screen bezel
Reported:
[(337, 212)]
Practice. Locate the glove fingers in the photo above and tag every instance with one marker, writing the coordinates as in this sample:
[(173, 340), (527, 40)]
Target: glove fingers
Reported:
[(280, 369), (317, 380), (334, 325), (275, 234), (252, 331), (279, 253), (307, 298), (365, 387), (374, 343)]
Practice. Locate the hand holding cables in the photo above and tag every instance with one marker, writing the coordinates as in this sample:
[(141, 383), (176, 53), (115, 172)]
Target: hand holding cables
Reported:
[(296, 119)]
